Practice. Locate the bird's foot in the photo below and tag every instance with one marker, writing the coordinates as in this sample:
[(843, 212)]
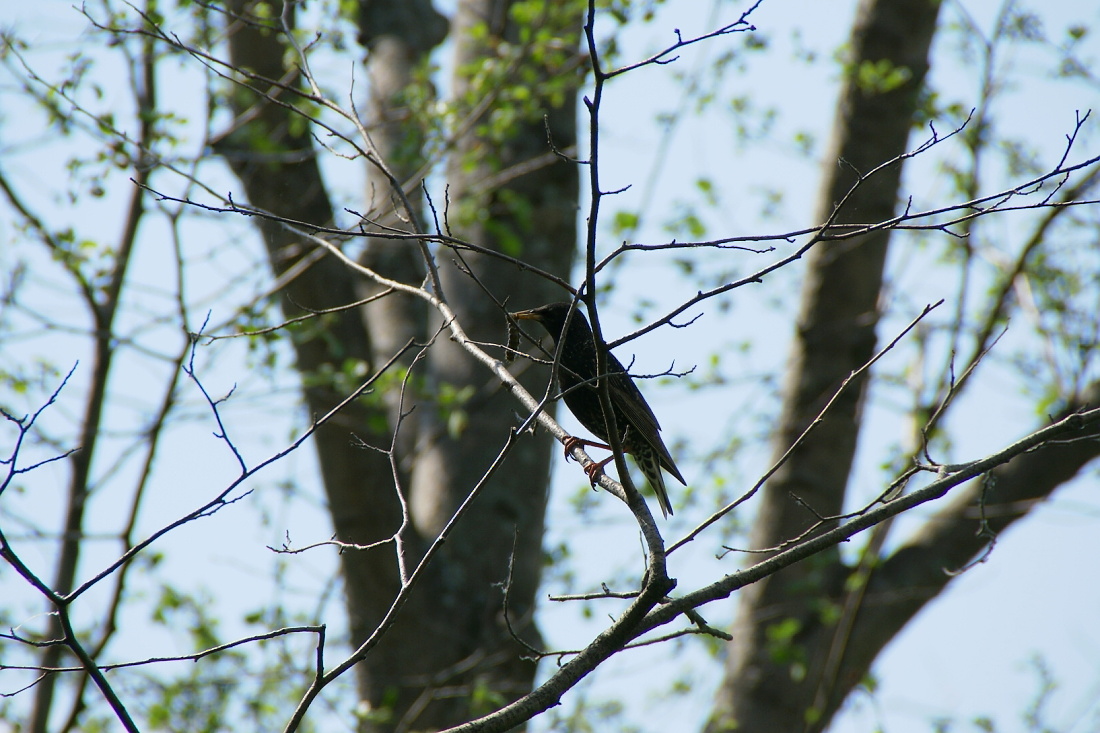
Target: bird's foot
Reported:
[(593, 470), (571, 442)]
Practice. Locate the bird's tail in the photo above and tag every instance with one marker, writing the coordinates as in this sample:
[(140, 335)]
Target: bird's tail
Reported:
[(650, 464)]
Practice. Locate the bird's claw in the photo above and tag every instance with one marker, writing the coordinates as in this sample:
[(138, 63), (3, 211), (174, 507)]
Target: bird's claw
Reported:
[(570, 443), (592, 470)]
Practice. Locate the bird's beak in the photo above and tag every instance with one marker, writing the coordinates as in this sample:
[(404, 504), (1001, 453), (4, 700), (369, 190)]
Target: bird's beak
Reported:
[(524, 316)]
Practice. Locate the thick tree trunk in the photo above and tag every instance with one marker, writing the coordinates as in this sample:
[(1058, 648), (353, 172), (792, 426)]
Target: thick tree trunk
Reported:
[(283, 176), (806, 637), (538, 210), (774, 664), (450, 646)]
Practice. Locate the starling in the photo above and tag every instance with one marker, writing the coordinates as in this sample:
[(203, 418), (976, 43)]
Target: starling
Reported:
[(639, 432)]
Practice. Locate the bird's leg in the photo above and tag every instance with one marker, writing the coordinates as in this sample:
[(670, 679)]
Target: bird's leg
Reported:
[(572, 442), (592, 469)]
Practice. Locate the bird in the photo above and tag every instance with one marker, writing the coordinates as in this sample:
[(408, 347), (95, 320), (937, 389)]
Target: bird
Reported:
[(639, 431)]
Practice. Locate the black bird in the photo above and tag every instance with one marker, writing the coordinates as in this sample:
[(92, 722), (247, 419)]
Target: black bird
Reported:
[(639, 432)]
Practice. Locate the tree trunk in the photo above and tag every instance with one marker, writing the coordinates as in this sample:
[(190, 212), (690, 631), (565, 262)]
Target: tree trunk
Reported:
[(774, 664), (450, 645), (807, 636)]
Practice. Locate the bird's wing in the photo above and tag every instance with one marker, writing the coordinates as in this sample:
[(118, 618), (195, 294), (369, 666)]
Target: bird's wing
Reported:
[(628, 398)]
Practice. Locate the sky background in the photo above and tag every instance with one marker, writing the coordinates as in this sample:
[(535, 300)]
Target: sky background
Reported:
[(971, 653)]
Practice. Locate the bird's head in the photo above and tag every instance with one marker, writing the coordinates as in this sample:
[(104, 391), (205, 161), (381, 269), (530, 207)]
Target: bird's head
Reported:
[(554, 316)]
